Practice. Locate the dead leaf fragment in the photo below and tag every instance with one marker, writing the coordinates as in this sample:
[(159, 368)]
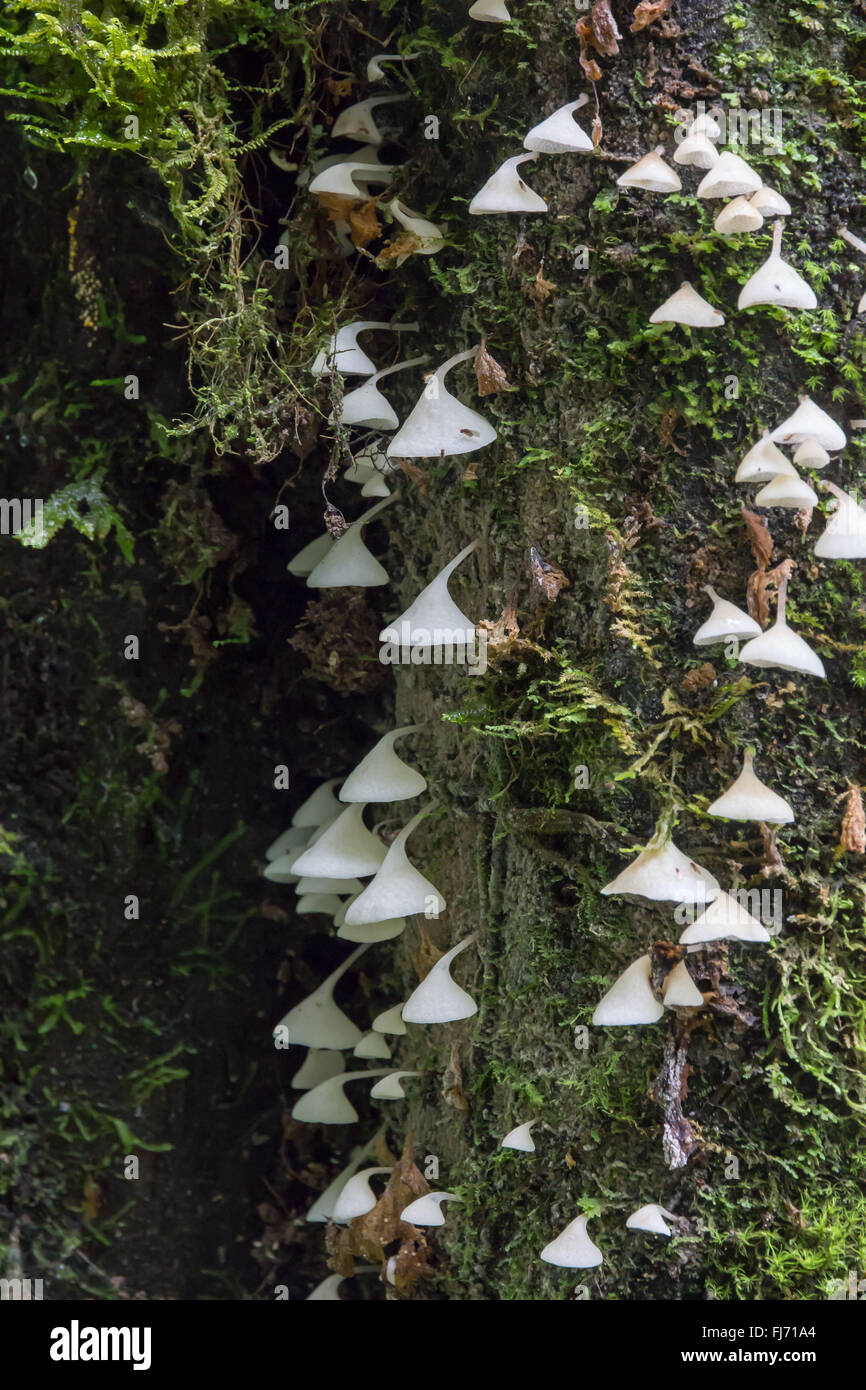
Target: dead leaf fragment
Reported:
[(364, 224), (597, 30), (550, 577), (452, 1083), (335, 523), (415, 475), (491, 377), (699, 678), (760, 539), (853, 837), (647, 12)]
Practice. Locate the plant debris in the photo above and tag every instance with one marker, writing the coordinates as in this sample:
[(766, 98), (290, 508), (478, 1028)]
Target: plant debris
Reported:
[(550, 577), (491, 377)]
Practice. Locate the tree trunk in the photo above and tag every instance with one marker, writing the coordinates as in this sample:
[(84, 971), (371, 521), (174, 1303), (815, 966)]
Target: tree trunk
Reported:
[(162, 669)]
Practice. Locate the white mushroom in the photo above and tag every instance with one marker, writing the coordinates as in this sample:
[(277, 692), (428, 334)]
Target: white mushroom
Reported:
[(367, 406), (439, 424), (320, 807), (696, 150), (573, 1248), (651, 1218), (372, 1047), (328, 1103), (769, 203), (811, 454), (382, 776), (427, 1210), (724, 919), (520, 1138), (730, 177), (679, 990), (763, 462), (663, 873), (810, 422), (748, 798), (505, 191), (630, 1000), (787, 490), (398, 889), (349, 564), (434, 620), (390, 1087), (319, 1065), (438, 999), (652, 174), (781, 647), (738, 216), (390, 1021), (560, 133), (318, 1021), (689, 308), (356, 122), (347, 848), (343, 354), (726, 621), (357, 1196), (777, 282), (844, 537), (309, 556)]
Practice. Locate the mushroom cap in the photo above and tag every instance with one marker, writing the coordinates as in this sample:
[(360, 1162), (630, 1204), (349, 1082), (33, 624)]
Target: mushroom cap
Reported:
[(386, 930), (390, 1021), (390, 1088), (520, 1138), (725, 919), (705, 124), (559, 133), (763, 462), (343, 355), (381, 775), (319, 1022), (725, 622), (844, 537), (356, 122), (738, 216), (651, 1218), (489, 12), (651, 173), (320, 807), (777, 282), (781, 647), (748, 798), (679, 990), (505, 191), (572, 1248), (348, 564), (428, 233), (696, 150), (357, 1196), (439, 423), (339, 886), (811, 454), (326, 1291), (730, 177), (372, 1045), (346, 849), (686, 306), (328, 1103), (785, 490), (664, 874), (319, 1065), (433, 620), (309, 556), (344, 176), (769, 203), (438, 998), (397, 890), (630, 1000), (810, 422), (427, 1210), (324, 904)]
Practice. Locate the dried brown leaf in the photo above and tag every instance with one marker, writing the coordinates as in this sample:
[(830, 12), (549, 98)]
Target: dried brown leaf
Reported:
[(853, 837), (364, 224), (647, 12), (760, 539), (335, 523), (549, 576), (415, 475), (491, 377), (452, 1083), (336, 206), (604, 33), (597, 131), (398, 249), (340, 87), (426, 954), (773, 861), (699, 678)]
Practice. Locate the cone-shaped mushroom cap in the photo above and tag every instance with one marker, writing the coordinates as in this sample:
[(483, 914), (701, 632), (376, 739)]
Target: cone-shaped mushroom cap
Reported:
[(520, 1138), (505, 191), (319, 1065), (372, 1045), (763, 462), (809, 421), (724, 919), (349, 563), (680, 991), (347, 848), (427, 1210), (291, 839), (738, 216), (438, 999), (664, 874), (328, 1104), (705, 124), (344, 176), (357, 123), (689, 308), (434, 620), (328, 885), (397, 890), (280, 870), (328, 904), (439, 423), (390, 1021), (730, 177), (367, 406), (748, 798), (369, 932), (375, 71), (769, 203), (489, 12), (320, 807), (780, 646), (811, 454), (651, 1218), (306, 559), (651, 173), (390, 1088), (777, 282), (343, 354), (383, 776), (323, 1207), (559, 133), (845, 535), (317, 1021), (357, 1196), (725, 621), (630, 1000), (786, 490), (428, 234), (696, 150), (573, 1249)]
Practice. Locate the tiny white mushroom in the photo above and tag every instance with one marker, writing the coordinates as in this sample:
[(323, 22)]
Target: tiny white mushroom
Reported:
[(320, 807), (367, 406), (383, 776), (357, 1196), (748, 798), (730, 177), (390, 1021), (663, 873), (386, 930), (763, 462), (781, 647), (328, 1103), (769, 203), (287, 845), (688, 307), (438, 998), (323, 1208), (372, 1046), (319, 1065), (318, 1021), (439, 423), (651, 1218), (390, 1087), (343, 355), (787, 490), (427, 1210), (309, 884), (705, 124), (520, 1138), (433, 621), (428, 236), (738, 216), (559, 133), (844, 537), (325, 904), (349, 564), (573, 1248), (309, 556), (697, 151), (652, 174), (347, 848), (811, 454), (356, 122), (398, 889), (777, 282), (375, 71), (505, 191), (810, 422), (679, 990), (327, 1291), (630, 1000), (343, 177), (725, 622), (725, 919)]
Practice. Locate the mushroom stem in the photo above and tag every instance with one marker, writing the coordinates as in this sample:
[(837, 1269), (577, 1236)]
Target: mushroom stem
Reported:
[(783, 595), (777, 237), (708, 589), (852, 240)]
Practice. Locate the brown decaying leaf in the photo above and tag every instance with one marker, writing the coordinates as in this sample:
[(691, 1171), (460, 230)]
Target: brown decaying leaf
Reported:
[(759, 537), (340, 87), (452, 1083), (368, 1236), (415, 475), (491, 378), (803, 519), (667, 425), (647, 12), (699, 678), (549, 576), (597, 30), (335, 523), (597, 131), (853, 837), (336, 206), (760, 582), (773, 861), (541, 289), (426, 954), (399, 249), (364, 224)]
